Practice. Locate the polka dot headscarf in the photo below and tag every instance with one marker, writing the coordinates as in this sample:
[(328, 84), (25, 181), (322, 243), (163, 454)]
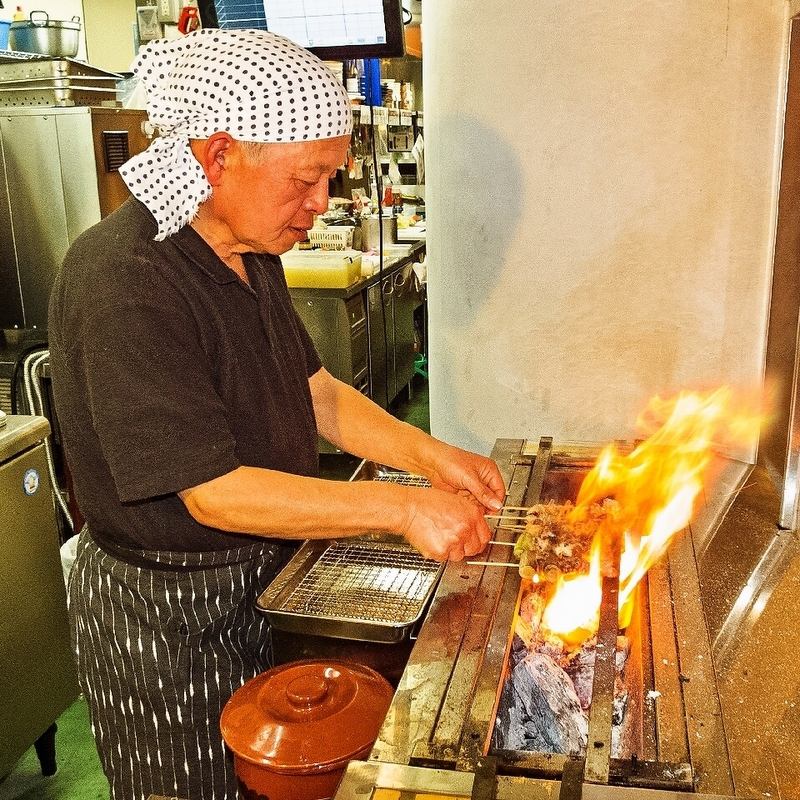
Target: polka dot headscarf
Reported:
[(255, 85)]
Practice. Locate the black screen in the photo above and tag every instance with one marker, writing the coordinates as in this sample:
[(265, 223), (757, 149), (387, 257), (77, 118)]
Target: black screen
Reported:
[(340, 29)]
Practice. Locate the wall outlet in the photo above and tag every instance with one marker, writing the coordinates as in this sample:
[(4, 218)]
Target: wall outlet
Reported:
[(169, 10)]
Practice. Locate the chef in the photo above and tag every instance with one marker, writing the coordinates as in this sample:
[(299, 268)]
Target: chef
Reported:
[(190, 397)]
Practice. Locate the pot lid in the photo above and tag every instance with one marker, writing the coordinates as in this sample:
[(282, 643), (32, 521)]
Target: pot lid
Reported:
[(307, 716), (41, 19)]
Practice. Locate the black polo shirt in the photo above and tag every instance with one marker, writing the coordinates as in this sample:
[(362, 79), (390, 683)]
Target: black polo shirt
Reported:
[(168, 371)]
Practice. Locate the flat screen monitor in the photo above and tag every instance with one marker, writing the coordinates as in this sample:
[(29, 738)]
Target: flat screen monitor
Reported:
[(340, 29)]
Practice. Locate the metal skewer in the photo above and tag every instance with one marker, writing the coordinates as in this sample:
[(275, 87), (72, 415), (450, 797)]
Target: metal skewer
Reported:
[(513, 515)]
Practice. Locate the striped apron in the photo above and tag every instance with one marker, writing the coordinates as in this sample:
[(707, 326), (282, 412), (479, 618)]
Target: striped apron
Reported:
[(160, 651)]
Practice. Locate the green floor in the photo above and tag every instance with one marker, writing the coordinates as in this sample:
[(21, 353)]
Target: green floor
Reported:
[(79, 776)]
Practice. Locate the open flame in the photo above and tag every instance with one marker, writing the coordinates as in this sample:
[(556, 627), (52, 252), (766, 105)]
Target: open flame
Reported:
[(651, 493)]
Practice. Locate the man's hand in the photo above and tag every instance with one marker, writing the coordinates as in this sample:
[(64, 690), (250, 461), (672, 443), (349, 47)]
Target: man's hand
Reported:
[(445, 526), (469, 475)]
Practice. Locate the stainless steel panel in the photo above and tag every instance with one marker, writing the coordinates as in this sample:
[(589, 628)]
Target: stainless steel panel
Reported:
[(81, 203), (380, 317), (20, 433), (406, 299), (319, 315), (30, 146), (338, 330), (18, 67), (38, 679), (51, 198), (11, 315)]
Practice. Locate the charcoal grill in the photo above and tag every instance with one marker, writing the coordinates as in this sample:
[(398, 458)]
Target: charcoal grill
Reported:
[(437, 738)]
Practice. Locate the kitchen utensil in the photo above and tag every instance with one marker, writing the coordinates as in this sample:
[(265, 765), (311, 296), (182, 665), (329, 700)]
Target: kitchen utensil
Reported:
[(364, 589), (369, 232), (34, 80), (40, 34), (293, 728)]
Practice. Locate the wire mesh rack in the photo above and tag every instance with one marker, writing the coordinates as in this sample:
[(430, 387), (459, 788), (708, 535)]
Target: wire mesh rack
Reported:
[(372, 590), (365, 581)]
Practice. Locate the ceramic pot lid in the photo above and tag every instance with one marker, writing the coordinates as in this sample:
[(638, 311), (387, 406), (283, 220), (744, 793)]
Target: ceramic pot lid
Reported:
[(306, 716)]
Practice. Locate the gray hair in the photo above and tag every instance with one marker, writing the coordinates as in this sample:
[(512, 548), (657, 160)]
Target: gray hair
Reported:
[(255, 153)]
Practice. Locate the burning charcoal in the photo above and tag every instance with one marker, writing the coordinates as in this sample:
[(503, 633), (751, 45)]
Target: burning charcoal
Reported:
[(620, 703), (581, 670), (623, 651), (531, 608), (518, 651), (539, 710)]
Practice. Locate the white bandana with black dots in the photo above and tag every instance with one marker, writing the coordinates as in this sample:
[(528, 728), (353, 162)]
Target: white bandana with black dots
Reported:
[(255, 85)]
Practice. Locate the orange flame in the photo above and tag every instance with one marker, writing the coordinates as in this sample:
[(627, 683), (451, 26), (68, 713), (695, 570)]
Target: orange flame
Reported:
[(654, 489)]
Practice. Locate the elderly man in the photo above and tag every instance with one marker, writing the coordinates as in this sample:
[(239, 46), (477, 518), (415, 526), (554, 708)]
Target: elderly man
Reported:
[(190, 398)]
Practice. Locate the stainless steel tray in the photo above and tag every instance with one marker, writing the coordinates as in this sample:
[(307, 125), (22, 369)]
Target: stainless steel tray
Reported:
[(48, 96), (369, 589), (14, 68)]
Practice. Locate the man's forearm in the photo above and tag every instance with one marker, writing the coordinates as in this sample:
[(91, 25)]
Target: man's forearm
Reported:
[(277, 504)]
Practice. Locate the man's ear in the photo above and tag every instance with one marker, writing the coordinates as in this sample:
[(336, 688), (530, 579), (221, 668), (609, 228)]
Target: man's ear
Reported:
[(212, 153)]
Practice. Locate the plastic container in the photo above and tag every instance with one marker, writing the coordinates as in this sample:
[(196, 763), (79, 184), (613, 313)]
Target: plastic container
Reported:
[(338, 237), (294, 728), (308, 269), (4, 28)]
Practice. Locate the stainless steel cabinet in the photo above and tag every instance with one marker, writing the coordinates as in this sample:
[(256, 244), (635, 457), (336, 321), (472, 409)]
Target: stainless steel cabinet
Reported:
[(392, 357), (47, 180), (407, 298), (380, 317), (338, 328), (58, 176), (366, 340), (37, 674)]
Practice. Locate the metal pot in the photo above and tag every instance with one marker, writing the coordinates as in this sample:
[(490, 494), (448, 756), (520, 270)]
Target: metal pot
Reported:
[(42, 35), (369, 232)]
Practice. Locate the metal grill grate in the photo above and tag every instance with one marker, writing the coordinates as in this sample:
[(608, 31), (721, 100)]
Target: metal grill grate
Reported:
[(403, 478), (365, 581)]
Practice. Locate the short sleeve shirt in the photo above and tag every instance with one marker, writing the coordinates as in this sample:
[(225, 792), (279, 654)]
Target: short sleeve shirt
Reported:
[(169, 371)]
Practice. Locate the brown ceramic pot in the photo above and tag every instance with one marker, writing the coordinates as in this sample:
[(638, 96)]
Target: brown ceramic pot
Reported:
[(293, 728)]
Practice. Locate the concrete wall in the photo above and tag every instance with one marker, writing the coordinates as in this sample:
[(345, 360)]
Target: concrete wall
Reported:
[(601, 185), (110, 33)]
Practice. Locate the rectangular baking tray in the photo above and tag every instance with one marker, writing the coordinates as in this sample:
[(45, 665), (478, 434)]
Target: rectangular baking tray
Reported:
[(367, 589), (16, 68), (58, 97)]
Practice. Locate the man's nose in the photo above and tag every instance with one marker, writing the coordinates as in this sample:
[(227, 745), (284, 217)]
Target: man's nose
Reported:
[(317, 198)]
